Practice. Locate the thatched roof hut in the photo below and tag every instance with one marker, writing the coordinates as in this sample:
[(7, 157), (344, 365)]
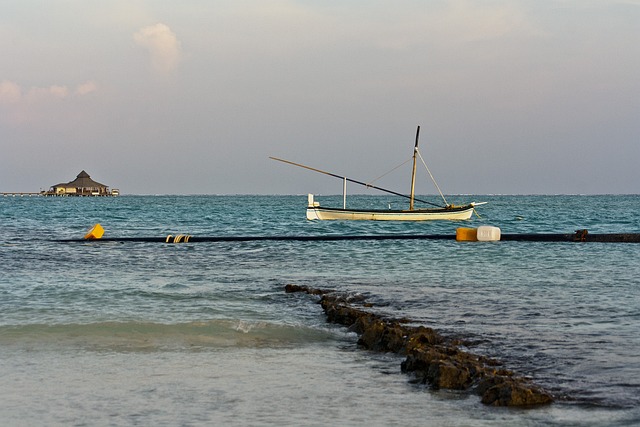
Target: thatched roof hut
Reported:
[(83, 185)]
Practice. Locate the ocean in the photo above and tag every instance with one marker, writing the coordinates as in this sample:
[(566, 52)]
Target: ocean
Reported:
[(139, 333)]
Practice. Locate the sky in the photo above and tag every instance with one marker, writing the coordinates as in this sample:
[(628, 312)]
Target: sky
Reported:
[(192, 97)]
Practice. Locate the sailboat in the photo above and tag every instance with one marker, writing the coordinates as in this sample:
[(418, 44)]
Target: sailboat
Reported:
[(439, 212)]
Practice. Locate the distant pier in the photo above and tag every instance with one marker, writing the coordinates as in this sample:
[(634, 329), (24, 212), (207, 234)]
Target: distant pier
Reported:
[(21, 194), (113, 193)]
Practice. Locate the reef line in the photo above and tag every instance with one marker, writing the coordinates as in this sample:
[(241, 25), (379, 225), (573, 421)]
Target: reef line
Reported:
[(430, 358)]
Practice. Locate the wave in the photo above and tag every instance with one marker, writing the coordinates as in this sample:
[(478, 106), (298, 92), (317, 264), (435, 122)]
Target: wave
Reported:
[(147, 336)]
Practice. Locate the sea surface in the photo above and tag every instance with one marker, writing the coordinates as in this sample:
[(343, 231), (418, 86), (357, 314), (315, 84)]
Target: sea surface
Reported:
[(111, 333)]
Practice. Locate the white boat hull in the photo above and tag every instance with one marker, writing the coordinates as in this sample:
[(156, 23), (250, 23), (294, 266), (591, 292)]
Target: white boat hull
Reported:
[(316, 212)]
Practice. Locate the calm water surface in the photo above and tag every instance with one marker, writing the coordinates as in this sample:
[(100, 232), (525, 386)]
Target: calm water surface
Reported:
[(203, 333)]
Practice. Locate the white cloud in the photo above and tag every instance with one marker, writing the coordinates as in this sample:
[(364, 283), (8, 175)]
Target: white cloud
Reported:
[(473, 22), (162, 44), (21, 106), (45, 93), (10, 92), (454, 23), (86, 88)]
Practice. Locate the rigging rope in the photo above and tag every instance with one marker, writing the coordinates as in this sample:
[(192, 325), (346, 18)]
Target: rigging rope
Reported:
[(432, 178), (387, 173)]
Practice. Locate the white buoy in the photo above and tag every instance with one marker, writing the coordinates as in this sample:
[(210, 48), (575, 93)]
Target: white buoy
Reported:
[(488, 233)]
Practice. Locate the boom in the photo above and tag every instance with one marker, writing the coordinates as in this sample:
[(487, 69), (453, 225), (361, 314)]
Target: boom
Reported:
[(353, 180)]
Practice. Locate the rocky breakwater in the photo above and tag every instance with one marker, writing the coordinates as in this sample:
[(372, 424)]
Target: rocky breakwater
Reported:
[(430, 358)]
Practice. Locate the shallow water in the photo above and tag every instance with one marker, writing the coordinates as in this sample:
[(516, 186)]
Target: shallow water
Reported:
[(188, 334)]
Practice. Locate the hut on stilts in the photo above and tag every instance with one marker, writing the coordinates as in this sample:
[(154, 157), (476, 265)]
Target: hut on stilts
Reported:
[(83, 185)]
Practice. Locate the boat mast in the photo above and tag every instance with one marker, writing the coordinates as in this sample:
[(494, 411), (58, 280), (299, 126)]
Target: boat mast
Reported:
[(413, 172)]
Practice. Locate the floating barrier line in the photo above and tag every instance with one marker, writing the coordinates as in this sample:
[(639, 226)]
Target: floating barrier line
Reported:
[(195, 239), (578, 236)]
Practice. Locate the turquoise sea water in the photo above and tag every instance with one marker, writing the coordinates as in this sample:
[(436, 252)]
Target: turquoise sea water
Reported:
[(203, 333)]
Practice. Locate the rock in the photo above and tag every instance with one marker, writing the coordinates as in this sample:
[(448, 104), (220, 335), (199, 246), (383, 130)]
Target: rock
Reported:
[(449, 375), (297, 288), (430, 357), (514, 392)]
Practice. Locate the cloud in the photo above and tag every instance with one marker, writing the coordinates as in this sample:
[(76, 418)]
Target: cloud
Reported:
[(477, 22), (21, 106), (162, 44), (452, 23), (86, 88), (45, 93), (10, 92)]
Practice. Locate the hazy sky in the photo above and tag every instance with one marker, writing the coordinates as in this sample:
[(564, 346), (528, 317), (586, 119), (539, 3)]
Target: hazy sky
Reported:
[(192, 97)]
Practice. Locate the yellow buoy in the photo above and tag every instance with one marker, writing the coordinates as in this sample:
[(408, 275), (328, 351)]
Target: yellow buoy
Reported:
[(466, 234), (95, 233)]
